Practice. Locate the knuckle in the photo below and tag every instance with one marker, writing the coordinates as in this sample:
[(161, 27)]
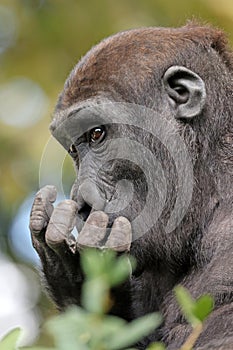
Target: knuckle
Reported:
[(37, 224), (56, 235)]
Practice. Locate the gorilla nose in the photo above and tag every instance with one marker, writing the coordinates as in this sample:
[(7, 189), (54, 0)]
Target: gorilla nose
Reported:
[(88, 199)]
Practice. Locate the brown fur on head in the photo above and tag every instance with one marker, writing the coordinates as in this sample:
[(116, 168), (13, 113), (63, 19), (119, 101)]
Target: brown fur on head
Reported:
[(128, 60)]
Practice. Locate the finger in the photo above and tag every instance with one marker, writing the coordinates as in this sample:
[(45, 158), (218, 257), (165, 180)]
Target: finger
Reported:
[(42, 209), (58, 233), (120, 237), (94, 230)]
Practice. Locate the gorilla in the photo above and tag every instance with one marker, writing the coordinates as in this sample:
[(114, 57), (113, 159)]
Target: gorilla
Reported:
[(146, 116)]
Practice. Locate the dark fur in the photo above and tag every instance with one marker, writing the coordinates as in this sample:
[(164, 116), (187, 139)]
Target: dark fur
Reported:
[(129, 67)]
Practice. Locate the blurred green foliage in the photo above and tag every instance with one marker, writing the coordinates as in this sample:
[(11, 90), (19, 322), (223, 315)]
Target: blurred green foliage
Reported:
[(90, 327), (194, 311)]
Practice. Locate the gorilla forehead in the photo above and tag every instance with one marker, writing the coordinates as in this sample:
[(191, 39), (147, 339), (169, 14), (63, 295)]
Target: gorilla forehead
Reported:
[(127, 60)]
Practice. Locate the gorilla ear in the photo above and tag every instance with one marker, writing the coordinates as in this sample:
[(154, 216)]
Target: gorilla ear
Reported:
[(186, 91)]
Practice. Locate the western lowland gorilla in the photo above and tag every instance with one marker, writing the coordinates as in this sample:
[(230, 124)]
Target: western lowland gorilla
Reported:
[(146, 116)]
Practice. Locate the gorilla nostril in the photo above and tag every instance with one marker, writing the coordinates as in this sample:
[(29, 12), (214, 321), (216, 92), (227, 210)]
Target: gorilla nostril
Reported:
[(85, 211)]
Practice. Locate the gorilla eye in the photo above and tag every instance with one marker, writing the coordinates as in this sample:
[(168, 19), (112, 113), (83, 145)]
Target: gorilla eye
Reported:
[(97, 134), (72, 150)]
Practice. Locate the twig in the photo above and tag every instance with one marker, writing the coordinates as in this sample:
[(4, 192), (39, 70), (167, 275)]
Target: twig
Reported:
[(191, 340)]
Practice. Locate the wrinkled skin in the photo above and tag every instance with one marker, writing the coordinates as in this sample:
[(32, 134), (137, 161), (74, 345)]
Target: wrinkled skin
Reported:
[(57, 248), (184, 75)]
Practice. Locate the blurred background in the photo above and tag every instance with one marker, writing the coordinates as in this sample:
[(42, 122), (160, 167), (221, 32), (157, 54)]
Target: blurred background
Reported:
[(40, 42)]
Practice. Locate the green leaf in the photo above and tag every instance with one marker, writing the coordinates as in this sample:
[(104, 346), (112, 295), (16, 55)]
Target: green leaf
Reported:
[(70, 329), (10, 340), (186, 303), (203, 307), (37, 348), (156, 346), (91, 263), (194, 311), (110, 325), (103, 328), (95, 295), (134, 331), (96, 262), (121, 271)]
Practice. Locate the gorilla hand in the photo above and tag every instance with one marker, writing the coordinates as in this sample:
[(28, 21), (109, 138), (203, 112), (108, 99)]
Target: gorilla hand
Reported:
[(59, 251)]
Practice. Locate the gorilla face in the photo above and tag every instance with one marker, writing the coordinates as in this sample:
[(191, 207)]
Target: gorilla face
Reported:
[(130, 159)]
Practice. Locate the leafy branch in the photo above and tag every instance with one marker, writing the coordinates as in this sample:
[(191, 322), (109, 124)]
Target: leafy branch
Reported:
[(90, 327)]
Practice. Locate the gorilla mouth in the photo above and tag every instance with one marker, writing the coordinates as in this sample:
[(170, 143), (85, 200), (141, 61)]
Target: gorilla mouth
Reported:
[(85, 211), (97, 229)]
